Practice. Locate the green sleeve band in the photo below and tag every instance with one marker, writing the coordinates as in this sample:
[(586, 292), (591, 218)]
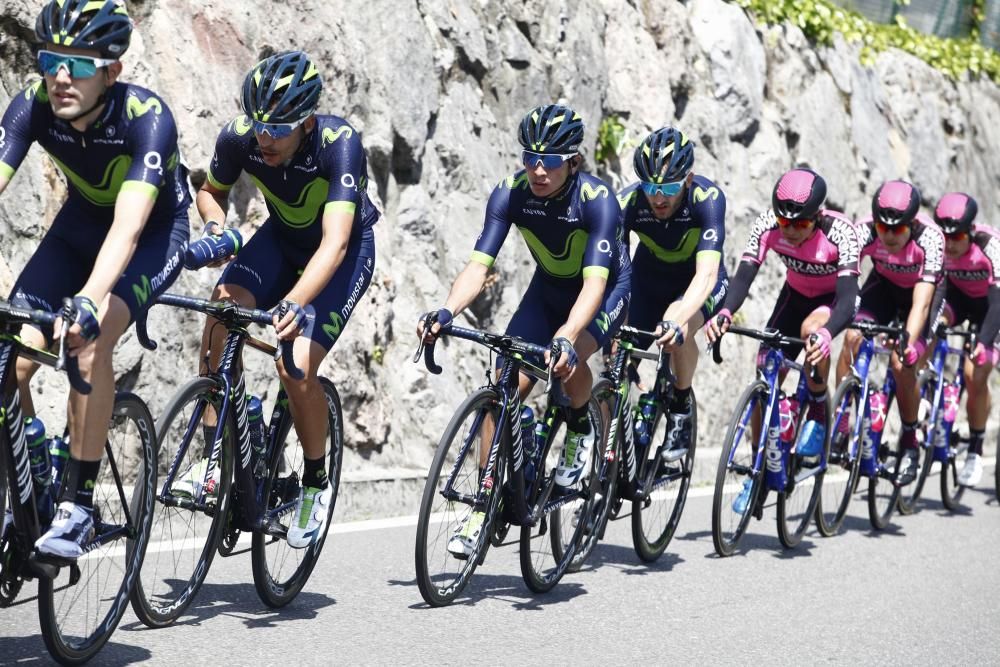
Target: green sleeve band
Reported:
[(6, 170), (596, 272), (217, 185), (340, 207), (147, 189), (482, 258), (708, 254)]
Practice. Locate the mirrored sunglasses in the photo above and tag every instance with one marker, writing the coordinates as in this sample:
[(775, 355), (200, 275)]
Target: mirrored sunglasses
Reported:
[(883, 228), (277, 130), (531, 159), (803, 223), (78, 67), (665, 189)]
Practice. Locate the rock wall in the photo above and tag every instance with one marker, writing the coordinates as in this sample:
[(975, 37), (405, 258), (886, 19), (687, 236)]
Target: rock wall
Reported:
[(437, 87)]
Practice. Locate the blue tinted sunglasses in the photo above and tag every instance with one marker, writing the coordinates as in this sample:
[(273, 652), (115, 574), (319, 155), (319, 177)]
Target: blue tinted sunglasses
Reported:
[(666, 189), (277, 130), (548, 160), (78, 67)]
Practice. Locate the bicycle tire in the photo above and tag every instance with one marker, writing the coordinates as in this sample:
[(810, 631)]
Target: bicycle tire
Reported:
[(441, 588), (649, 537), (274, 588), (546, 554), (847, 460), (74, 635), (603, 483), (726, 540), (794, 515), (883, 493), (909, 495), (10, 582), (951, 490), (172, 575)]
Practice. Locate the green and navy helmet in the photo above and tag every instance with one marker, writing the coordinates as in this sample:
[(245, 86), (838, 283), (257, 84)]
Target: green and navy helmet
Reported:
[(665, 156), (86, 24), (284, 88), (552, 128)]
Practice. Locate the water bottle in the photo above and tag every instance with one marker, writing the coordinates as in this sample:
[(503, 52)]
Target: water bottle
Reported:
[(811, 439), (41, 468), (877, 402), (788, 410), (950, 402), (528, 443), (211, 248), (645, 413), (59, 455), (255, 421)]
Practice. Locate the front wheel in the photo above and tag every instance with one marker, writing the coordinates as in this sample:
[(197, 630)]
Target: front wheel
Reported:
[(797, 504), (908, 496), (657, 512), (951, 491), (80, 608), (844, 462), (185, 538), (737, 485), (453, 483), (883, 493), (279, 571)]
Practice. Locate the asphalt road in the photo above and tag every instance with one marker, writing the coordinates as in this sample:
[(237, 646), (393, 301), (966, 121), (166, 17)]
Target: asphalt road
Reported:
[(925, 591)]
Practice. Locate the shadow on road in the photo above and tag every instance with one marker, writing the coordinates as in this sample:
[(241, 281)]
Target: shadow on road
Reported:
[(506, 588), (755, 542), (241, 601), (986, 491), (625, 559), (31, 650), (864, 525)]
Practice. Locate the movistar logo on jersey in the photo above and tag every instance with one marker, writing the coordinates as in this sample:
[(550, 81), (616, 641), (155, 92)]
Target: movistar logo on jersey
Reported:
[(142, 290), (630, 198), (105, 192), (564, 264), (38, 91), (588, 192), (684, 250), (603, 322), (305, 209), (330, 135), (134, 108), (511, 183), (700, 194), (334, 327), (240, 125)]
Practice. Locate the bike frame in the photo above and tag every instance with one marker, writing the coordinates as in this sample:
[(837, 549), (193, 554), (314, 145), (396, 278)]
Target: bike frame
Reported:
[(942, 350), (865, 441)]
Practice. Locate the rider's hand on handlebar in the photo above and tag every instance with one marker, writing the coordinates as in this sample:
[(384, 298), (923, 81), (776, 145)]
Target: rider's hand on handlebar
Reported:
[(818, 346), (290, 318), (718, 325), (671, 335), (440, 319), (82, 318), (980, 355), (913, 352), (567, 360)]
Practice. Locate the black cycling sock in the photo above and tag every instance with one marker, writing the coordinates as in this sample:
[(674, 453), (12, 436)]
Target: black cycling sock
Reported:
[(817, 397), (976, 441), (577, 420), (208, 432), (681, 401), (908, 439), (315, 473), (81, 478)]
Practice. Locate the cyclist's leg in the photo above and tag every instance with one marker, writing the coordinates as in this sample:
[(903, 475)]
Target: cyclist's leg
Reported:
[(872, 304), (978, 388)]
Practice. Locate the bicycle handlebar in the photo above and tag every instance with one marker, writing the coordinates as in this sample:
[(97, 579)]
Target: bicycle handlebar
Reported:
[(895, 332), (770, 338), (229, 314), (13, 314)]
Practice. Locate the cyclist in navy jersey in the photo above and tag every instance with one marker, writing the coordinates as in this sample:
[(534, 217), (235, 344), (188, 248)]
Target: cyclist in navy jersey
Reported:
[(679, 281), (972, 273), (820, 249), (580, 291), (117, 241), (314, 255)]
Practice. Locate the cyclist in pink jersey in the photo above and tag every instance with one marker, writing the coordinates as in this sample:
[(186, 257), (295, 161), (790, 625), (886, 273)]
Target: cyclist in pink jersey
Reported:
[(907, 251), (972, 274), (820, 249)]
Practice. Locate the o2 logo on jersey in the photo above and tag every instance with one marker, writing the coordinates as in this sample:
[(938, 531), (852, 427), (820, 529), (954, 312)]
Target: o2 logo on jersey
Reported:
[(710, 235), (153, 162), (347, 180), (3, 133), (604, 246)]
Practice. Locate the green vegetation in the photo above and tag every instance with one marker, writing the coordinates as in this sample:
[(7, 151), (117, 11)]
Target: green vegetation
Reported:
[(820, 20), (612, 137)]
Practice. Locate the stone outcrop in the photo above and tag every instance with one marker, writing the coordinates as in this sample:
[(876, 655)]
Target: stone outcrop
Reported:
[(437, 87)]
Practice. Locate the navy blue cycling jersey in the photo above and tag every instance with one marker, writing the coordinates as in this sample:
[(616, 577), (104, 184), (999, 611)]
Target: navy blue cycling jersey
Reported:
[(572, 235), (672, 246), (131, 146), (329, 172)]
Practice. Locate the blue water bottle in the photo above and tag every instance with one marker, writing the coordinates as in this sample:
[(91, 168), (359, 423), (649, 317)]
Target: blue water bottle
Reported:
[(41, 468), (811, 439), (211, 248), (645, 412), (255, 420), (528, 443), (59, 456)]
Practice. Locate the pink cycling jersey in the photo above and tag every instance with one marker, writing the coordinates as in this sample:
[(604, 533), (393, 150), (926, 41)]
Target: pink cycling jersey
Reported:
[(920, 260), (974, 272), (813, 267)]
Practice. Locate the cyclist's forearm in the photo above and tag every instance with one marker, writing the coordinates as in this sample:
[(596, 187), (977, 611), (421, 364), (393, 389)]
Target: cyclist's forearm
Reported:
[(212, 206), (846, 304), (584, 310), (132, 209), (4, 180), (739, 287), (467, 287), (991, 323), (923, 294), (696, 293)]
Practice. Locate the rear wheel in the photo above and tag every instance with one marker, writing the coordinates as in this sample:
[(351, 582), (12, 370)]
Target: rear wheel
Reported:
[(844, 462), (909, 495), (737, 487), (656, 515), (883, 494), (453, 482), (797, 505), (279, 571), (184, 539), (81, 606), (951, 492)]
